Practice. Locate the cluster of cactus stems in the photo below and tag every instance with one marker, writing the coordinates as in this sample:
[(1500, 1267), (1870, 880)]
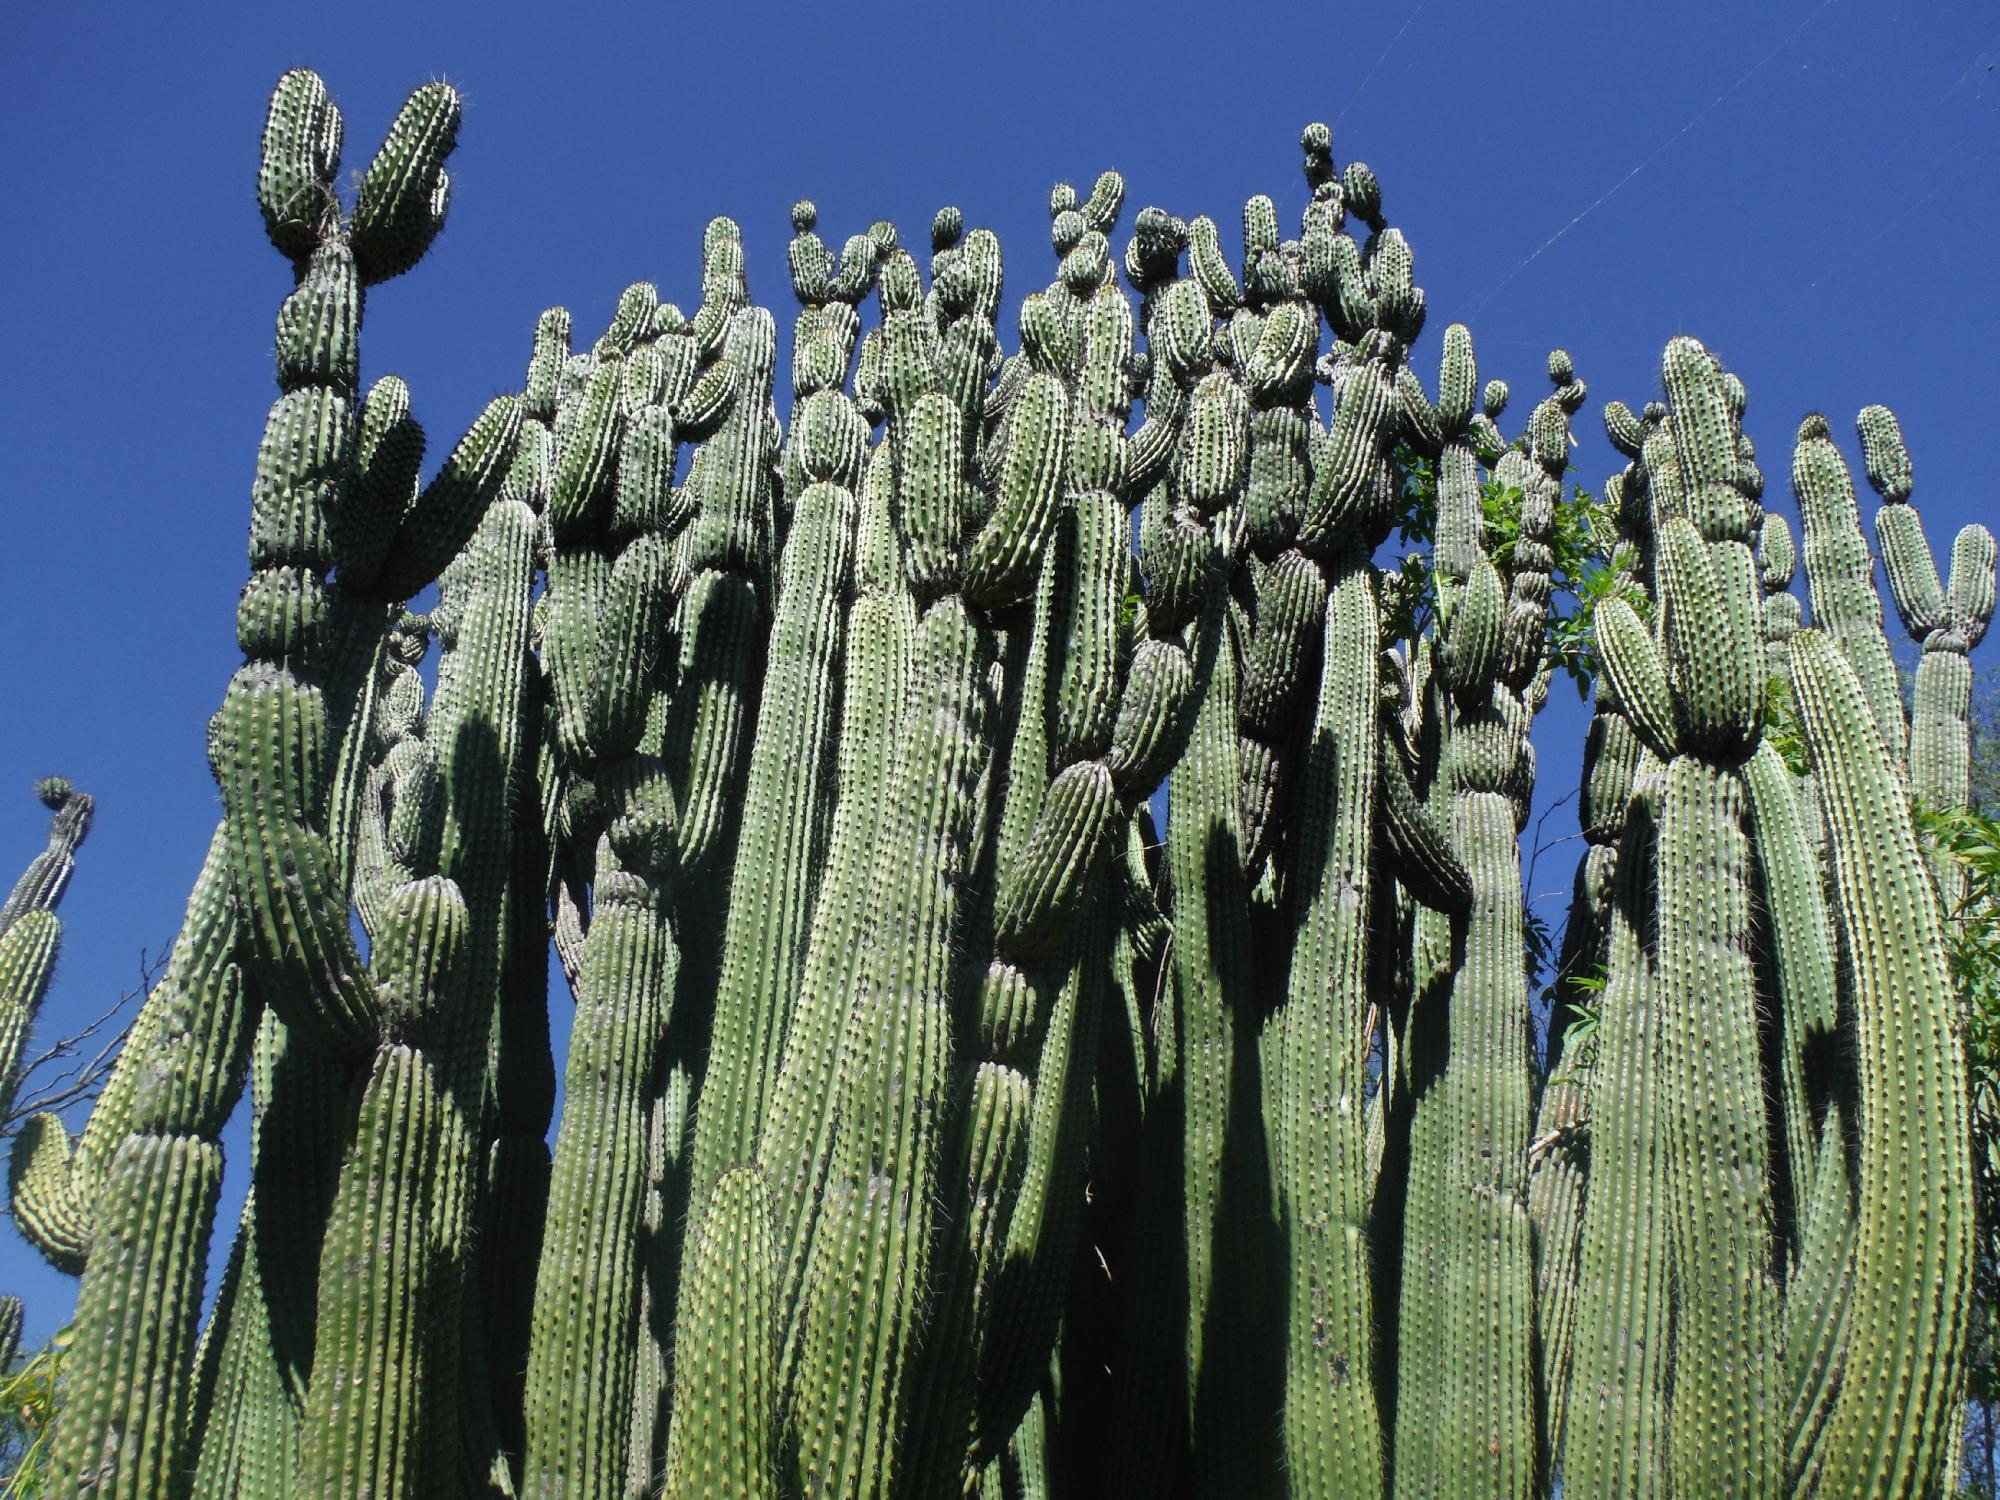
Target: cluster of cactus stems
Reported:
[(933, 1122)]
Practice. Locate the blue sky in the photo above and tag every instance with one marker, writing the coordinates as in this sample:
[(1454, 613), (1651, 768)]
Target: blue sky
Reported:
[(1807, 186)]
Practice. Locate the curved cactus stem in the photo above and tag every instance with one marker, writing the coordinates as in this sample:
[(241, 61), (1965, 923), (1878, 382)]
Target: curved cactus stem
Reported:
[(1838, 569), (1801, 948), (41, 885), (1886, 1433)]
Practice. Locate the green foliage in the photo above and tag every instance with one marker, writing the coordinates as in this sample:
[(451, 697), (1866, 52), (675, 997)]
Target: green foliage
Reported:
[(1985, 716), (1781, 725), (1591, 563), (1970, 838), (31, 1395), (1972, 841), (1585, 1014)]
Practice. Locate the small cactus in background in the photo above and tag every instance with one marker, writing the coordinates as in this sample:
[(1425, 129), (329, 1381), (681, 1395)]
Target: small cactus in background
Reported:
[(30, 931), (934, 1122)]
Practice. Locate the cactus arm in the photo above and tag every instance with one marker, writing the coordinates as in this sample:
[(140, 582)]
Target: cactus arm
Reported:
[(724, 625), (27, 964), (1800, 938), (1838, 568), (1907, 564), (1331, 1416), (1416, 851), (41, 886), (296, 169), (1906, 1319), (400, 205), (442, 518), (53, 1210)]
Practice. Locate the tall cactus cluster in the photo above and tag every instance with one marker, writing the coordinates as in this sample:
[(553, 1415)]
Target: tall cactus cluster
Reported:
[(1039, 884)]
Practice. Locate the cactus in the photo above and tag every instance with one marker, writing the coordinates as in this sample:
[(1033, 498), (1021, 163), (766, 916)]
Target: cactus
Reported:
[(1615, 1438), (724, 1440), (1559, 1157), (873, 1243), (11, 1313), (935, 1121), (1905, 1324), (796, 1137), (1946, 620), (1838, 566), (771, 904), (1464, 1403), (30, 931)]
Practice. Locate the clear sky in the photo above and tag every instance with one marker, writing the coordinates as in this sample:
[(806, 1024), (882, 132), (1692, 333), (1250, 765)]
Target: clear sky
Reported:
[(1808, 186)]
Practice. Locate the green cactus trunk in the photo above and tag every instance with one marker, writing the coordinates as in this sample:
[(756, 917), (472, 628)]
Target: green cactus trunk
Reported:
[(1331, 1416), (1905, 1320), (867, 1284), (583, 1345)]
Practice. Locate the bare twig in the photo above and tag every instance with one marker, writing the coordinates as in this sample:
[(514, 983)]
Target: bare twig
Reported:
[(1540, 847), (73, 1069)]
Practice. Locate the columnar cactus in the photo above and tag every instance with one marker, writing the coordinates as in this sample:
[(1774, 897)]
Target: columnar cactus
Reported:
[(936, 1121), (1946, 620), (873, 1243), (1465, 1384), (1905, 1320), (789, 799), (1559, 1156), (614, 518), (30, 931), (1726, 1408)]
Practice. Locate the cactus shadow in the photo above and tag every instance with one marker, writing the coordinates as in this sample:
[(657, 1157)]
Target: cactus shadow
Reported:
[(1243, 1330)]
